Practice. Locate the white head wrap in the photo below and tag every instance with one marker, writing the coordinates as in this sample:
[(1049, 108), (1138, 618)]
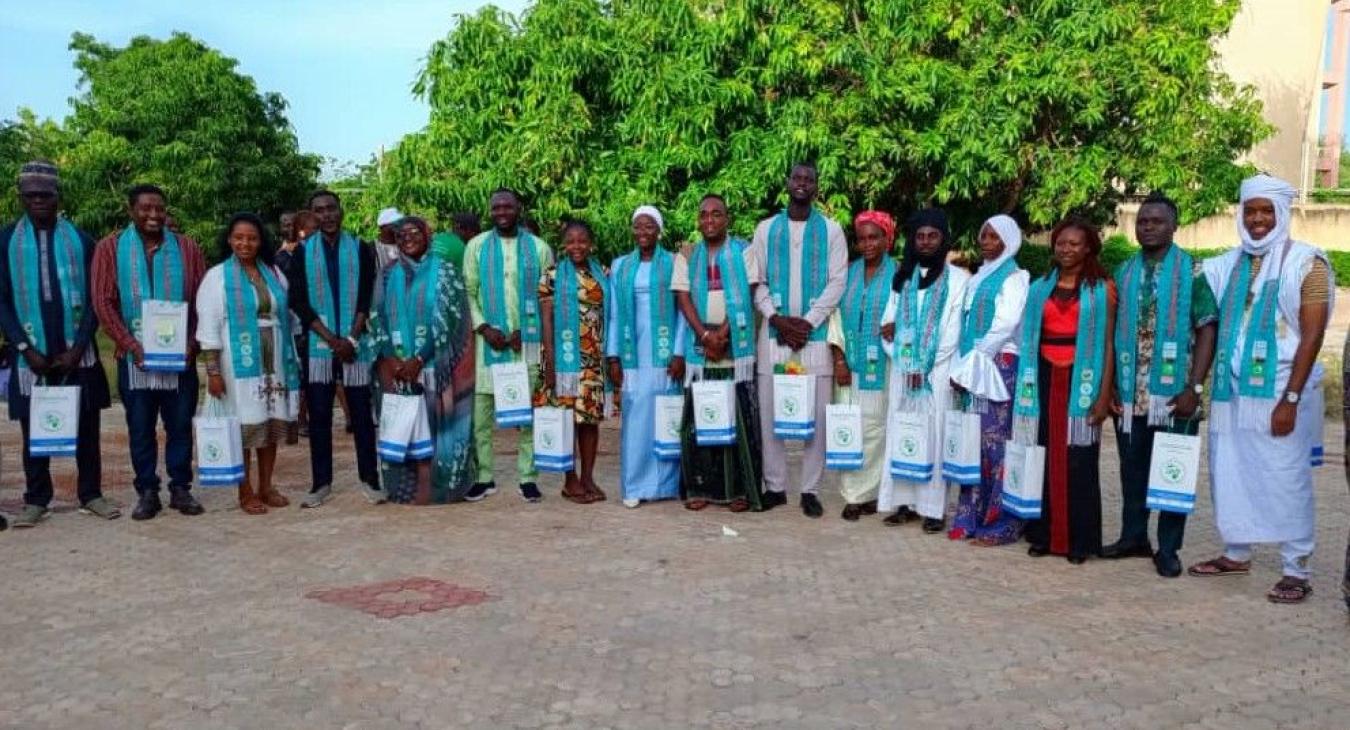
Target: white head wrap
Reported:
[(388, 216), (651, 212), (1011, 235), (1281, 194)]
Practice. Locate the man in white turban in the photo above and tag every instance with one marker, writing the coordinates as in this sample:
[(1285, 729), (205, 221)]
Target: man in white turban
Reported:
[(1266, 426)]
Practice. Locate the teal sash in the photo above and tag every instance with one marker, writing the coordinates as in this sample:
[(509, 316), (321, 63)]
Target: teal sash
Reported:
[(322, 298), (492, 279), (27, 284), (410, 304), (864, 302), (134, 285), (980, 317), (662, 310), (241, 310), (1086, 382), (567, 323), (1260, 350), (730, 262), (917, 331), (815, 267), (1172, 287)]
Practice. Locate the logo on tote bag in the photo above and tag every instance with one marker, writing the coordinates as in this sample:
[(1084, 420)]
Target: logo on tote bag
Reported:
[(52, 421), (1173, 471), (910, 447), (843, 436), (790, 405)]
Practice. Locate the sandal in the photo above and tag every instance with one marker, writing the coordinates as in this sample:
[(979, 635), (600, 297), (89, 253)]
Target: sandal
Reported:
[(1219, 566), (739, 505), (694, 505), (1290, 590), (593, 490)]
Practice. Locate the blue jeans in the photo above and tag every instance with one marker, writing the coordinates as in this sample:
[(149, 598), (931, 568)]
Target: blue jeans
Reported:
[(144, 409)]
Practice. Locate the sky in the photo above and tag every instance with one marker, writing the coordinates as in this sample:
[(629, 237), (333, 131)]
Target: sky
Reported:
[(346, 67)]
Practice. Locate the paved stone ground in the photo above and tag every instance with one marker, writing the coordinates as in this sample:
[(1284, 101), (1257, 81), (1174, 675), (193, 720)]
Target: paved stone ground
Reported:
[(504, 614)]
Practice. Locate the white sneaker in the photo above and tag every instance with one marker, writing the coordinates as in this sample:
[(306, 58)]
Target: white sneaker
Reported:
[(316, 499), (374, 495), (632, 503)]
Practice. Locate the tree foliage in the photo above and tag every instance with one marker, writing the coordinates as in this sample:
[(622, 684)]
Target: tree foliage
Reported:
[(1037, 107), (175, 113)]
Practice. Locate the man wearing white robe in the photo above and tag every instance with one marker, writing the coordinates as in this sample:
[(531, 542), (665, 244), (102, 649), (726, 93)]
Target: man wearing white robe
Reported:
[(1261, 448)]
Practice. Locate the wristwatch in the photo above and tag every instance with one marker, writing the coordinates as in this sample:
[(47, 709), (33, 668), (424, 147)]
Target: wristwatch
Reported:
[(1290, 397), (22, 347), (1198, 388)]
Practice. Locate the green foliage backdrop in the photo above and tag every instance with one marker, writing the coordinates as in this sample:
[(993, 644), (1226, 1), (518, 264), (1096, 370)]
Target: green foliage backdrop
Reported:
[(1035, 107), (172, 112)]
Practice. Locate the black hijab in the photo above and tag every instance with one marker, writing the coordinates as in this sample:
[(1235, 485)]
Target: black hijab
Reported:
[(932, 218)]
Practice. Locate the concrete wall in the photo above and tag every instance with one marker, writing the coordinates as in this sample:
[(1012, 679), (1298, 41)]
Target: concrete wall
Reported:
[(1324, 225), (1277, 46)]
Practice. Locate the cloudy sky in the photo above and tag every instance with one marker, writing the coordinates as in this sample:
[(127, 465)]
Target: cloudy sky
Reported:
[(345, 66)]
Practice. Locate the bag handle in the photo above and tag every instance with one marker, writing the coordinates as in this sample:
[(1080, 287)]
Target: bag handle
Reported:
[(845, 391), (213, 407)]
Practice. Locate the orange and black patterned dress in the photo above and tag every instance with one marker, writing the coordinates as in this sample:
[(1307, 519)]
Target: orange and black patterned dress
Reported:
[(589, 405)]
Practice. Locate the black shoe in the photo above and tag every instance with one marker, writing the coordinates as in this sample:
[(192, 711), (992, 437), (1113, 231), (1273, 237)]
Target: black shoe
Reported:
[(1120, 549), (1038, 551), (186, 504), (147, 506), (901, 516), (934, 524), (852, 512), (4, 524), (773, 499), (529, 491), (811, 506), (1168, 564), (480, 491), (1077, 559)]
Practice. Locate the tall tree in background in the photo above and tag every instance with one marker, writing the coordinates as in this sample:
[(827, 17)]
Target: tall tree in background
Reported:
[(1036, 107), (176, 113)]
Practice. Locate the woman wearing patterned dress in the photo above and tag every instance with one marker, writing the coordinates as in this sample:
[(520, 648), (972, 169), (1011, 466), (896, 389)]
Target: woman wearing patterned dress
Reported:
[(572, 296), (424, 345)]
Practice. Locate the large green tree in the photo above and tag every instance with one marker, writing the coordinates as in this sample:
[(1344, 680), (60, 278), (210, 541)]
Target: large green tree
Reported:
[(175, 113), (1035, 107)]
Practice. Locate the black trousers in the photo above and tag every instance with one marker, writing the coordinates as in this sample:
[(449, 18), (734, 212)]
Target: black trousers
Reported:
[(1136, 451), (320, 397), (88, 460)]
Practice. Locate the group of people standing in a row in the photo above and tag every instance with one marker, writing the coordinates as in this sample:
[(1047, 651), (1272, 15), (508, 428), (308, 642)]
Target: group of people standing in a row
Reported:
[(1043, 362)]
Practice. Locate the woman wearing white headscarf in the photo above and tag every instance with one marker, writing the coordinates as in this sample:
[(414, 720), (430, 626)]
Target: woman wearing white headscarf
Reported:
[(644, 345), (991, 327), (1266, 424)]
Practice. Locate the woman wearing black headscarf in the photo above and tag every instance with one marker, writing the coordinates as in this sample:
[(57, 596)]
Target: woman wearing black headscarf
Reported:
[(922, 329)]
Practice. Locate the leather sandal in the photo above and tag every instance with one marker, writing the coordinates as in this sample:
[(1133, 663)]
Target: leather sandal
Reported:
[(1219, 566), (1290, 590)]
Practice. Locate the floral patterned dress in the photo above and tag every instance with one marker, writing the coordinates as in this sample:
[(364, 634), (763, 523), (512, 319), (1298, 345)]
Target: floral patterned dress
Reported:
[(589, 405)]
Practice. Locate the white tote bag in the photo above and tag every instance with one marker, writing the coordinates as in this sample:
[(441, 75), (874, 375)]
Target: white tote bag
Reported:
[(961, 447), (220, 446), (911, 446), (164, 327), (1023, 478), (843, 437), (714, 412), (794, 407), (669, 419), (554, 429), (511, 394), (53, 420), (398, 420), (1172, 473)]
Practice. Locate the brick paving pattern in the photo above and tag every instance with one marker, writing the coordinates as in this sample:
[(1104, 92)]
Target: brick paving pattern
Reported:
[(565, 616)]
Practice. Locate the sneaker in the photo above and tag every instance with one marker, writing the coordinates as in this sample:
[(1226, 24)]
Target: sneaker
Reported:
[(100, 507), (632, 503), (30, 516), (374, 495), (529, 492), (317, 497), (186, 504), (480, 491)]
